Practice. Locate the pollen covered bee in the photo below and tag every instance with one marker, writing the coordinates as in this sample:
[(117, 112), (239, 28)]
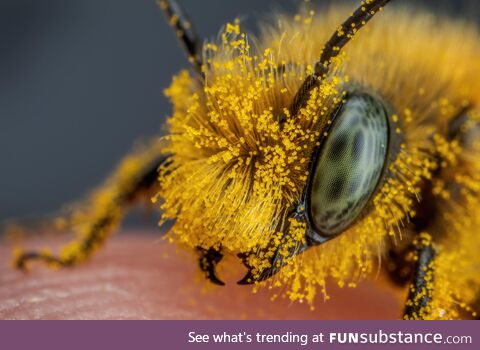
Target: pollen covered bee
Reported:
[(330, 145)]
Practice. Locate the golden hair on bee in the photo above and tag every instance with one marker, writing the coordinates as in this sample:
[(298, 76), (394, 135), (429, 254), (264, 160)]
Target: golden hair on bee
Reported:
[(313, 162), (227, 143)]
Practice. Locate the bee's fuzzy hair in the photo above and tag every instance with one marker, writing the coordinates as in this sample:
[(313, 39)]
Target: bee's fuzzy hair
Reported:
[(235, 172)]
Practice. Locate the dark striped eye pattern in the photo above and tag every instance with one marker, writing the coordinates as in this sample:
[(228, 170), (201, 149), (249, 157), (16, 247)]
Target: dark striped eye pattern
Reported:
[(348, 165)]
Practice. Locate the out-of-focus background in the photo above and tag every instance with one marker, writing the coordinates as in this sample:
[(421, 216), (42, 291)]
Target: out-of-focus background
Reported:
[(82, 80)]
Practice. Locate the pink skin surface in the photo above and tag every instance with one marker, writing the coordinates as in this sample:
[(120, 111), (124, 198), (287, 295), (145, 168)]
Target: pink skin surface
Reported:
[(139, 276)]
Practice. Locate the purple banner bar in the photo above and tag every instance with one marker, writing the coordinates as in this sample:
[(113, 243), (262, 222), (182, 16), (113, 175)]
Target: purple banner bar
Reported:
[(156, 335)]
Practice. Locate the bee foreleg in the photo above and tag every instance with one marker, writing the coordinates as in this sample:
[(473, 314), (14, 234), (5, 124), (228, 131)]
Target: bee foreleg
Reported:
[(420, 293), (135, 176)]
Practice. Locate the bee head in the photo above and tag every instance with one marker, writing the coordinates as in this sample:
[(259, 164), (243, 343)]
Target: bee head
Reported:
[(271, 157)]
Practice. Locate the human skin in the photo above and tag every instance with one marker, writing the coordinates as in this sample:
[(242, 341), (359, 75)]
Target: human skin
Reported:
[(140, 276)]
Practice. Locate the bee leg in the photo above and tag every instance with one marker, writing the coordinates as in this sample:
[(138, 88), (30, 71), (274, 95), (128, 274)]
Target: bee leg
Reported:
[(208, 260), (419, 296), (135, 176)]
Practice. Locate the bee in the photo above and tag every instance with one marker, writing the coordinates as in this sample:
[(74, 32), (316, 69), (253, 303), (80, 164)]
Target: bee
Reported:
[(322, 150)]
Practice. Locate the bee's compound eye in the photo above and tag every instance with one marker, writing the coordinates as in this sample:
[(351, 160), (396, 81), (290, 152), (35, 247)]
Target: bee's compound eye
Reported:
[(349, 164)]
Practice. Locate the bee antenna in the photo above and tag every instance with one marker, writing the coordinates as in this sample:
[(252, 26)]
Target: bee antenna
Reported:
[(332, 48), (184, 30)]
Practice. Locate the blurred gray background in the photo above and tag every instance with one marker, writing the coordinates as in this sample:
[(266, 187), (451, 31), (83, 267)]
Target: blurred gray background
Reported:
[(81, 80)]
